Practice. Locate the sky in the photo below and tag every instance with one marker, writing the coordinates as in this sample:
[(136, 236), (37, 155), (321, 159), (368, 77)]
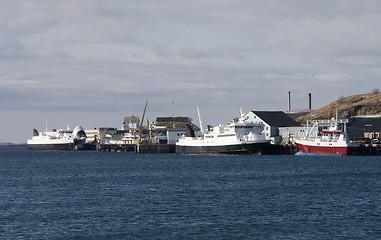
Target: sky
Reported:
[(93, 62)]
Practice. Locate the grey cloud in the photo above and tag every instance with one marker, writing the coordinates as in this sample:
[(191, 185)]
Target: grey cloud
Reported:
[(107, 58), (10, 47)]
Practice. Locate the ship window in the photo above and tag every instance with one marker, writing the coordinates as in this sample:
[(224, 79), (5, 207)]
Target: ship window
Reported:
[(227, 135)]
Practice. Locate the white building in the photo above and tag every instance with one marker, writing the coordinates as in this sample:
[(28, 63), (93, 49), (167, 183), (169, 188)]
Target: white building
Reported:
[(130, 123), (278, 125), (168, 130)]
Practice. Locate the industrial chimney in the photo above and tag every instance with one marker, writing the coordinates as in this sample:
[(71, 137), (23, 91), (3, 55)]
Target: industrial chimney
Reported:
[(309, 102), (289, 101)]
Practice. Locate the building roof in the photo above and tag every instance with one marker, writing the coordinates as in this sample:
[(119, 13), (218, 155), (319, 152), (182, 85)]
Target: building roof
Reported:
[(295, 115), (175, 122), (131, 119), (174, 119), (276, 118), (367, 124)]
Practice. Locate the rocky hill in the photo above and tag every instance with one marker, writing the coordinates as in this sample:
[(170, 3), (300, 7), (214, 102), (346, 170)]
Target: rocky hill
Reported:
[(361, 104)]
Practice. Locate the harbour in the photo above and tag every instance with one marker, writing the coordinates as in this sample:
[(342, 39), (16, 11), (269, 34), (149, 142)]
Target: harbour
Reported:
[(157, 142), (187, 120), (253, 132)]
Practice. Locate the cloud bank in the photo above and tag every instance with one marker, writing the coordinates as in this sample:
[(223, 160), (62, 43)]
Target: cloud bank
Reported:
[(93, 62)]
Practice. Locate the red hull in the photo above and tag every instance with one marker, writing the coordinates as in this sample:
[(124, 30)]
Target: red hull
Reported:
[(327, 150)]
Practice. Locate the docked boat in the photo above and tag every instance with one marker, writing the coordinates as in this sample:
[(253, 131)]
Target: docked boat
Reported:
[(58, 139), (327, 140), (127, 143), (239, 136)]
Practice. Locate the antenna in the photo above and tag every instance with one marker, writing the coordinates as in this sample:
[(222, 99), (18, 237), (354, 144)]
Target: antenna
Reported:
[(199, 119), (240, 111), (172, 108)]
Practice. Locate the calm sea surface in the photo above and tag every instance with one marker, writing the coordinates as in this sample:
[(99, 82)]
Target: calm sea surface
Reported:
[(103, 195)]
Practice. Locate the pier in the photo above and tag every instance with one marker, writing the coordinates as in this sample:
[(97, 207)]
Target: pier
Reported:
[(117, 147), (282, 149), (272, 149), (157, 148), (370, 149)]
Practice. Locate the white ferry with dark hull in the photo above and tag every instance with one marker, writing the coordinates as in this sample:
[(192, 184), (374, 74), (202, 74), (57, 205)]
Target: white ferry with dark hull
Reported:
[(58, 140), (239, 136)]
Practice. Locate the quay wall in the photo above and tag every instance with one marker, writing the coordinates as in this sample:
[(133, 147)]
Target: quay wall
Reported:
[(117, 147), (283, 149), (370, 149), (157, 148)]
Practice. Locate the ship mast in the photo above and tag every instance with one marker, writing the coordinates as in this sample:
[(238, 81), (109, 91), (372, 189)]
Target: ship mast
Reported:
[(199, 119)]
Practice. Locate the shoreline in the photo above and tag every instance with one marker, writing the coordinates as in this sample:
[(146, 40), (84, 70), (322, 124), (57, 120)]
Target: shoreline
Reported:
[(5, 144)]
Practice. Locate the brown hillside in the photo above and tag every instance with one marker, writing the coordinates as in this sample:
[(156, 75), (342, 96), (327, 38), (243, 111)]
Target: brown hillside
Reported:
[(361, 104)]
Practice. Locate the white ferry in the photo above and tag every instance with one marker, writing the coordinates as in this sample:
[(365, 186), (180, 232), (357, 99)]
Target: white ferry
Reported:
[(58, 139), (239, 136)]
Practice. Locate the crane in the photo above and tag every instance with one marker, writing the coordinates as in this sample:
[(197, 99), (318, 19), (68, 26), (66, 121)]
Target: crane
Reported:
[(138, 150)]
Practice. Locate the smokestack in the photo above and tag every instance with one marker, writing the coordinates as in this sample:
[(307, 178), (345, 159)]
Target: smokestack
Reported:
[(289, 101), (309, 102)]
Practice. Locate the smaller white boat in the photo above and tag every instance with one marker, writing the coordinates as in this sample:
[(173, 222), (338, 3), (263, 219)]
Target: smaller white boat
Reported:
[(127, 138), (58, 139)]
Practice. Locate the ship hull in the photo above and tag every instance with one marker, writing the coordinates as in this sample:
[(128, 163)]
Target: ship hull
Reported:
[(57, 146), (62, 146), (338, 150), (252, 148)]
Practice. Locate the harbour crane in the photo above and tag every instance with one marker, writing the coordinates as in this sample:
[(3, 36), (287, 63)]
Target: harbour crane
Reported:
[(138, 149)]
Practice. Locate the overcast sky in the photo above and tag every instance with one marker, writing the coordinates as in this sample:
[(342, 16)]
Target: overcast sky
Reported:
[(91, 63)]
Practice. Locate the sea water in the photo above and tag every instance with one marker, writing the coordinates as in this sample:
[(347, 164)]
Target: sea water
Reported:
[(107, 195)]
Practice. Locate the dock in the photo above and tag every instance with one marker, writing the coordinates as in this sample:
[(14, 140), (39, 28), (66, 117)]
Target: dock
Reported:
[(117, 147), (157, 148), (282, 149), (370, 149)]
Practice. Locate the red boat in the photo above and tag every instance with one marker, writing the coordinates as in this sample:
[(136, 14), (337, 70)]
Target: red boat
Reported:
[(331, 140)]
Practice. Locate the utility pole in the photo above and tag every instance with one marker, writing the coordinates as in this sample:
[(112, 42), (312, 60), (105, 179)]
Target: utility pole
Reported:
[(172, 108)]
